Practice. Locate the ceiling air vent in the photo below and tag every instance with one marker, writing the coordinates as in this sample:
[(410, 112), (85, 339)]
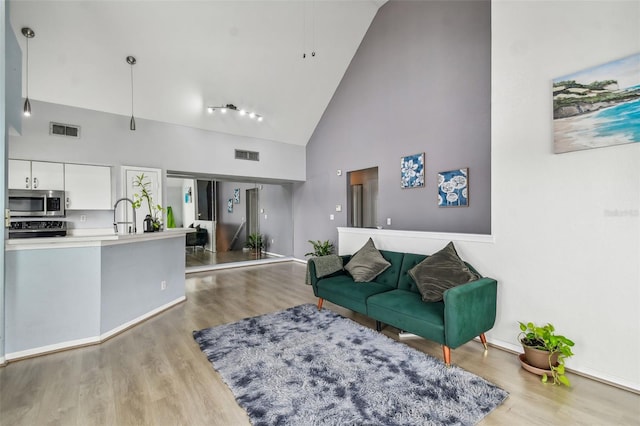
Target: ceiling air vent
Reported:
[(60, 129), (247, 155)]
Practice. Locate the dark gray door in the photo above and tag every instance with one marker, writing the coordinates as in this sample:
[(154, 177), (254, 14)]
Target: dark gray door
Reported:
[(253, 222)]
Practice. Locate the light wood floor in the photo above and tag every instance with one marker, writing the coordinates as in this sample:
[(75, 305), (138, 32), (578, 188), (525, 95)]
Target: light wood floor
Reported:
[(200, 257), (155, 374)]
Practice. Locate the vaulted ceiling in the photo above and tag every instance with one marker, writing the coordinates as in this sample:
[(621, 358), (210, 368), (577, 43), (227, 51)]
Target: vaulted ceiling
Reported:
[(192, 54)]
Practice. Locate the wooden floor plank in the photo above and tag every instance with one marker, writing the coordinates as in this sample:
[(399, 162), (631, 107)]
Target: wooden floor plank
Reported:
[(155, 373)]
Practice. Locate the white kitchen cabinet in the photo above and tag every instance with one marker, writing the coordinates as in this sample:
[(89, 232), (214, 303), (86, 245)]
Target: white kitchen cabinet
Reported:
[(87, 187), (25, 174)]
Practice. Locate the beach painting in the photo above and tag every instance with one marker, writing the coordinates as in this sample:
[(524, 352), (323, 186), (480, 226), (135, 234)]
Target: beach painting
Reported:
[(597, 107), (453, 188)]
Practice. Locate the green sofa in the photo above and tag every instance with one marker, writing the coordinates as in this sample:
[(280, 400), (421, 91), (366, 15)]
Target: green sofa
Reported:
[(392, 298)]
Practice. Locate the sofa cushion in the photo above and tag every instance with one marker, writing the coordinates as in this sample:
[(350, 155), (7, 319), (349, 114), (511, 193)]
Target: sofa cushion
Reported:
[(343, 291), (367, 263), (405, 310), (439, 272)]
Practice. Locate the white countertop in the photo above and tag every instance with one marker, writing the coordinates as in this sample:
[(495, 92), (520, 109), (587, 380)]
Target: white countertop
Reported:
[(92, 238)]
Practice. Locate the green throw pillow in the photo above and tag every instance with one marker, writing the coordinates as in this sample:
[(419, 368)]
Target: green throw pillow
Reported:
[(367, 263), (440, 272)]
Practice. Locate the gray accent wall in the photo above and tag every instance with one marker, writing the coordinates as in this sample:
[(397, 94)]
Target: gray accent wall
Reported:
[(419, 82)]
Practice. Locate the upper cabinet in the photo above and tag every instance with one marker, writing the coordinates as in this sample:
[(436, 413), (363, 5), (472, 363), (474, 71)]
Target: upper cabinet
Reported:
[(25, 174), (87, 187)]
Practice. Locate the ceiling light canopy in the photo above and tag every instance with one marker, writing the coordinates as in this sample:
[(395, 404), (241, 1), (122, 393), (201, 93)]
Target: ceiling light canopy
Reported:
[(231, 107)]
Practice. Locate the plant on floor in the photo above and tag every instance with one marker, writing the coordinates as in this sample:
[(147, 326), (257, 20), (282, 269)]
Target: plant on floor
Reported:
[(320, 248), (254, 242), (143, 184), (557, 347)]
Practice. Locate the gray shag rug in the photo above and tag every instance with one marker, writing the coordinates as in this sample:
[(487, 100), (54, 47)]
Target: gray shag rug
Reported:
[(302, 366)]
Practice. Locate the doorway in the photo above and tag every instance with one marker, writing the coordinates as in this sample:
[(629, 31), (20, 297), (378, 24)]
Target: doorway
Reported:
[(362, 198)]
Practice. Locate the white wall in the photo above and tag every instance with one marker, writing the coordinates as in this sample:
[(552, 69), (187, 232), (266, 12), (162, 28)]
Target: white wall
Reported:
[(559, 255), (558, 250)]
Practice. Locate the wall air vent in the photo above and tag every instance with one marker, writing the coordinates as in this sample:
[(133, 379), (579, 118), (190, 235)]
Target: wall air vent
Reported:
[(247, 155), (60, 129)]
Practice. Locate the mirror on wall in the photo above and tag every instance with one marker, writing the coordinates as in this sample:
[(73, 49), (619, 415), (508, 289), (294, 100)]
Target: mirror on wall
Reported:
[(362, 198), (240, 211)]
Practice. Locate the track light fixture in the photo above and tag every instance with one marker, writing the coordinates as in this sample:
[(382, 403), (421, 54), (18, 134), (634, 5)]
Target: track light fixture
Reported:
[(132, 123), (28, 33), (231, 107)]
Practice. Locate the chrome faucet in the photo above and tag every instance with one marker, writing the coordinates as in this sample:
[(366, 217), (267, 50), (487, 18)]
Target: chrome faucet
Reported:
[(115, 222)]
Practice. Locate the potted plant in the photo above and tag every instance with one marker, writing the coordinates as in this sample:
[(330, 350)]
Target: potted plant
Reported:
[(320, 248), (545, 349), (254, 242), (155, 210)]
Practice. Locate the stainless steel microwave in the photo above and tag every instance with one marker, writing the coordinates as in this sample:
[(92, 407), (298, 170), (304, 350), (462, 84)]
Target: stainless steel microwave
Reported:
[(36, 202)]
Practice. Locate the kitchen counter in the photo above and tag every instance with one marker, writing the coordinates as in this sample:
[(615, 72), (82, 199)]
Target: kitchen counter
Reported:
[(65, 292), (91, 238)]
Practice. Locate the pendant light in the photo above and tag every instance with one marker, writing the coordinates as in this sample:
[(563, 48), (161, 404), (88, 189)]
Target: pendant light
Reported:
[(28, 33), (132, 61)]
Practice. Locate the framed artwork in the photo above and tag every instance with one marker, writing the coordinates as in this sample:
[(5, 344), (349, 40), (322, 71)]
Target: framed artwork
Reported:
[(412, 171), (230, 205), (453, 188), (236, 195), (597, 107)]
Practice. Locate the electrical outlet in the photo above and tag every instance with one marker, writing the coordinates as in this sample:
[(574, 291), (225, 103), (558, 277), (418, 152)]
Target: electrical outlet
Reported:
[(163, 285), (389, 221), (83, 218), (331, 217), (338, 207)]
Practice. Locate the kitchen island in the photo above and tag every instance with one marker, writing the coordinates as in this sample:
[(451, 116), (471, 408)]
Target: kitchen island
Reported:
[(64, 292)]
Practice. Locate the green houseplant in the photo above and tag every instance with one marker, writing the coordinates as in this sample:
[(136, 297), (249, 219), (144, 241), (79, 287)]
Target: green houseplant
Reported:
[(143, 184), (320, 248), (254, 242), (556, 349)]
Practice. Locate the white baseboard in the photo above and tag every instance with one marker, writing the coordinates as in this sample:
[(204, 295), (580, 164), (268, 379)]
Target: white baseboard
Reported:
[(71, 344), (109, 334), (586, 372), (57, 347)]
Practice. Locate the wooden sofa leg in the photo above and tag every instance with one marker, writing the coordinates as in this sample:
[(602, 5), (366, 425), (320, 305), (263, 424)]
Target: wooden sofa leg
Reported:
[(446, 351), (320, 300), (483, 339), (378, 326)]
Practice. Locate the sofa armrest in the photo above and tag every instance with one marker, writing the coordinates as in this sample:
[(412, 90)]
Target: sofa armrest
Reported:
[(312, 274), (469, 310), (312, 277)]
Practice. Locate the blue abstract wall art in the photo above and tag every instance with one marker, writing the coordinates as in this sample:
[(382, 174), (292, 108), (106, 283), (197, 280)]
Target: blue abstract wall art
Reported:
[(453, 188), (412, 170)]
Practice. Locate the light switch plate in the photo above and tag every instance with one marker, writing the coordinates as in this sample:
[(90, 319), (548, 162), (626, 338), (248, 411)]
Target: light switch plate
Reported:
[(338, 207)]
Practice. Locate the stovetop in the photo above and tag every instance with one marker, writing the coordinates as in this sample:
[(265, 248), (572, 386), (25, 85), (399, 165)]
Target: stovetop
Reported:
[(37, 228)]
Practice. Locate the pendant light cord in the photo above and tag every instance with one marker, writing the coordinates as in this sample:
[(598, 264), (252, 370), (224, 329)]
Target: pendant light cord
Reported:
[(132, 90), (27, 67)]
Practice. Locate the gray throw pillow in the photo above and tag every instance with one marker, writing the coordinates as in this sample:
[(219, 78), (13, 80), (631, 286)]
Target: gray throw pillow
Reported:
[(440, 272), (367, 263)]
